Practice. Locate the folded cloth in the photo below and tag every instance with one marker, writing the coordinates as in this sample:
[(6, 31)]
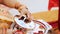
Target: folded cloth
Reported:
[(33, 27), (14, 12), (48, 27), (21, 23)]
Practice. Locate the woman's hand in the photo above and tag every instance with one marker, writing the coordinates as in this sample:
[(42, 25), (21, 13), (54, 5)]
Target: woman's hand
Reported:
[(17, 5), (24, 11)]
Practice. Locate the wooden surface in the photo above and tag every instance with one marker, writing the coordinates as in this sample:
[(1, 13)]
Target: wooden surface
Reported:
[(48, 16)]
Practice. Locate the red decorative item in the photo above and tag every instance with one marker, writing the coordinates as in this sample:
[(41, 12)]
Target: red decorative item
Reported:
[(18, 32), (40, 32), (35, 33), (41, 27), (53, 3)]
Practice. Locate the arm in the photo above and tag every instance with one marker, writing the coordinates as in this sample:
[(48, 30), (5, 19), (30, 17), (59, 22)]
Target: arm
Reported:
[(12, 3), (16, 4), (24, 10), (1, 1)]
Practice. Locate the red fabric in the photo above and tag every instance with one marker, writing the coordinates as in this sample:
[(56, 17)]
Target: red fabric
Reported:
[(18, 32), (54, 24), (53, 3)]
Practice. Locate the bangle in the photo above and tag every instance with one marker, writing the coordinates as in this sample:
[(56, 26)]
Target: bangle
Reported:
[(22, 7)]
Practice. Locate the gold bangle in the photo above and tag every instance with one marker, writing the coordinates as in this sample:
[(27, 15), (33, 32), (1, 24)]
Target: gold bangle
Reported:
[(1, 9), (21, 7)]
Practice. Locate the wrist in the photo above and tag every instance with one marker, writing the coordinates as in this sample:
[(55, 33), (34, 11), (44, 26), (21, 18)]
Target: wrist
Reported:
[(1, 1)]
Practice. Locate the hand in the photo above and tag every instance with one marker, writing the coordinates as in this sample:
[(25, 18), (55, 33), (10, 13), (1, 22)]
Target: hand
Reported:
[(24, 11), (17, 5)]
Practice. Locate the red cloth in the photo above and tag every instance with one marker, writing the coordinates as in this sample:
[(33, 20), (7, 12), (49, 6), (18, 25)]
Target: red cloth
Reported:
[(54, 24), (18, 32), (53, 3)]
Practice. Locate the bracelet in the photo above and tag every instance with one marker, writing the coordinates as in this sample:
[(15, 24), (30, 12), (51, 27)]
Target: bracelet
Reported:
[(21, 7)]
